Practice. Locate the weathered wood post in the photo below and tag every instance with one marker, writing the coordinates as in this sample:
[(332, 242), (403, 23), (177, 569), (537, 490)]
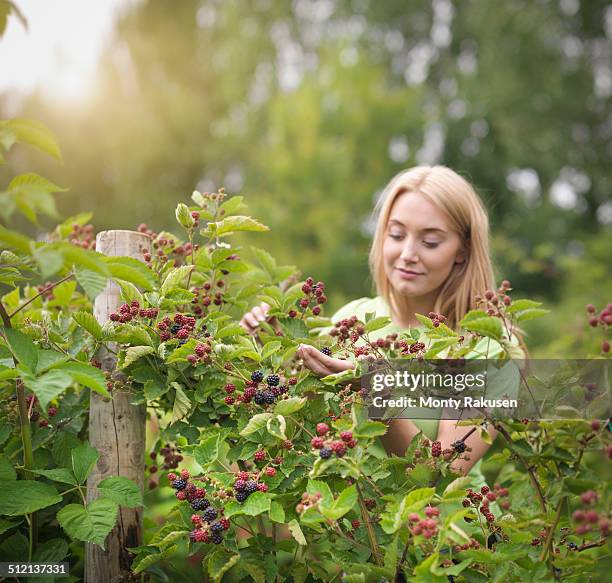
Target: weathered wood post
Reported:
[(117, 431)]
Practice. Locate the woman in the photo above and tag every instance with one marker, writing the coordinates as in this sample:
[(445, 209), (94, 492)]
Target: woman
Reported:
[(430, 253)]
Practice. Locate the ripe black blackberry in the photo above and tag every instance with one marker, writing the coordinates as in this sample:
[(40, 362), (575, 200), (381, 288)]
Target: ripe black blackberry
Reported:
[(250, 487), (175, 328), (325, 452), (239, 485), (269, 397), (216, 538), (241, 496), (326, 350), (179, 484), (209, 514), (257, 376), (459, 446), (260, 398), (216, 527), (200, 504), (273, 380)]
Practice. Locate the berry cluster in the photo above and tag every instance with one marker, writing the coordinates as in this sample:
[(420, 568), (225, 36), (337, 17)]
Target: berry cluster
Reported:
[(245, 485), (179, 327), (586, 519), (473, 544), (206, 294), (172, 456), (602, 320), (308, 501), (480, 501), (313, 293), (428, 527), (46, 289), (201, 353), (262, 396), (34, 414), (492, 301), (82, 236), (131, 311), (327, 445), (436, 319)]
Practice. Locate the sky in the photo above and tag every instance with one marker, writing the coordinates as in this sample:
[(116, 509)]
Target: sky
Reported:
[(59, 51)]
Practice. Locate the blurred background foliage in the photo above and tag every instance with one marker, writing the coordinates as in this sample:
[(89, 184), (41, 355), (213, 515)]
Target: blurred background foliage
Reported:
[(309, 107)]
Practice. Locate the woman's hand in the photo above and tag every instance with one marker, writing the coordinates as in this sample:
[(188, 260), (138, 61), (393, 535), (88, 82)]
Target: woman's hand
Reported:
[(251, 320), (321, 364)]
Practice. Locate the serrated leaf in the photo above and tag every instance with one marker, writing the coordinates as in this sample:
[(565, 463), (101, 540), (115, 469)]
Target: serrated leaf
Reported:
[(131, 270), (296, 532), (48, 386), (121, 490), (257, 503), (86, 375), (130, 292), (270, 348), (183, 215), (133, 353), (84, 458), (488, 326), (232, 224), (22, 347), (91, 524), (92, 283), (35, 134), (7, 471), (277, 512), (63, 475), (181, 405), (277, 426), (233, 205), (370, 429), (220, 562), (88, 321), (19, 497), (377, 323), (177, 277), (256, 423), (290, 405), (343, 504)]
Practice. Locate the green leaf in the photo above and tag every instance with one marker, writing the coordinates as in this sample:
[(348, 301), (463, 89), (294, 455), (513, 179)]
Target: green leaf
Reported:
[(133, 353), (270, 348), (35, 134), (121, 490), (25, 496), (93, 283), (233, 224), (370, 429), (377, 323), (84, 458), (182, 404), (520, 305), (86, 375), (131, 270), (176, 277), (145, 560), (488, 326), (88, 321), (51, 551), (296, 532), (233, 205), (15, 241), (63, 475), (277, 426), (220, 562), (130, 292), (316, 486), (183, 216), (525, 315), (7, 472), (257, 503), (48, 386), (256, 423), (343, 504), (22, 347), (91, 524), (290, 405), (277, 512)]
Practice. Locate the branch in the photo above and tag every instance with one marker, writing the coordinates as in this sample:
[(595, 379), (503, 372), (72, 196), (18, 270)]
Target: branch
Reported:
[(368, 525), (45, 290), (599, 543)]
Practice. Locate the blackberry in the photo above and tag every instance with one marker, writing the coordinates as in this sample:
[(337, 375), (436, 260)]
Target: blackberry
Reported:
[(200, 504), (175, 328), (250, 487), (216, 527), (216, 538), (326, 350), (257, 376), (239, 485), (325, 453), (283, 389), (269, 397), (192, 536), (459, 446), (241, 496), (209, 514), (273, 380), (179, 484), (260, 398)]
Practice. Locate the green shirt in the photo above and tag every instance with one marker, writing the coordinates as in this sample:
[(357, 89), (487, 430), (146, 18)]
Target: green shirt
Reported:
[(507, 383)]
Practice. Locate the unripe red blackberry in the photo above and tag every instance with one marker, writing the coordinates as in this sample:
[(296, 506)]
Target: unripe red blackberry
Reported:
[(322, 428), (317, 442), (304, 303), (593, 322), (192, 359), (436, 449), (260, 455), (229, 400), (262, 487), (287, 444), (52, 411), (431, 511), (316, 310), (355, 524), (292, 313), (271, 472), (595, 425), (605, 346), (591, 516), (489, 294), (590, 308), (507, 300), (346, 435)]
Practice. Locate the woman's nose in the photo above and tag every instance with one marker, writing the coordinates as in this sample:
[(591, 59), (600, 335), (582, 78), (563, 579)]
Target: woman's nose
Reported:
[(409, 252)]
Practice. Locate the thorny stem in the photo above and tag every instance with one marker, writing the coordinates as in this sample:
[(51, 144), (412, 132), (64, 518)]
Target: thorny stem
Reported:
[(547, 550), (368, 525)]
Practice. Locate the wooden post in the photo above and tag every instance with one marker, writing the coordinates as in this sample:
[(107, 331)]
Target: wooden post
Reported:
[(117, 431)]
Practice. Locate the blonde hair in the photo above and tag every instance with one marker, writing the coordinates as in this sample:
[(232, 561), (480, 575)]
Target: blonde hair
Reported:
[(458, 200)]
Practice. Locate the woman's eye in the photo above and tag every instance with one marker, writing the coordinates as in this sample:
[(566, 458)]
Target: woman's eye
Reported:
[(395, 236), (430, 244)]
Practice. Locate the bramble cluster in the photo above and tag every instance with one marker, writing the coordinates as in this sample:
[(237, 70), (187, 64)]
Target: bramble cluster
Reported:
[(313, 293), (327, 445), (493, 301), (133, 311), (34, 414), (179, 327), (82, 236), (172, 456), (601, 320), (263, 396), (436, 319), (588, 519), (480, 501), (246, 484), (209, 293), (428, 527)]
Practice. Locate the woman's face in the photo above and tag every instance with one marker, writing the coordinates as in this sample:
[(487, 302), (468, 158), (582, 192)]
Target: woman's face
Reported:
[(419, 248)]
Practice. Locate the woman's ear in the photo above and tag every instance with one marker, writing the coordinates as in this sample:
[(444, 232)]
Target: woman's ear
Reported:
[(460, 257)]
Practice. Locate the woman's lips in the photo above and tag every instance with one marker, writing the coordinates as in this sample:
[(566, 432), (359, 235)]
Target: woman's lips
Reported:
[(408, 273)]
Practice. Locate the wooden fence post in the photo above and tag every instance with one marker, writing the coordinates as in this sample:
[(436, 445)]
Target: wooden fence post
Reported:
[(117, 431)]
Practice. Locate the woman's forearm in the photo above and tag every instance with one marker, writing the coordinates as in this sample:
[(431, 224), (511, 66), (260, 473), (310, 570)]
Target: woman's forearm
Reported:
[(449, 432), (399, 434)]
